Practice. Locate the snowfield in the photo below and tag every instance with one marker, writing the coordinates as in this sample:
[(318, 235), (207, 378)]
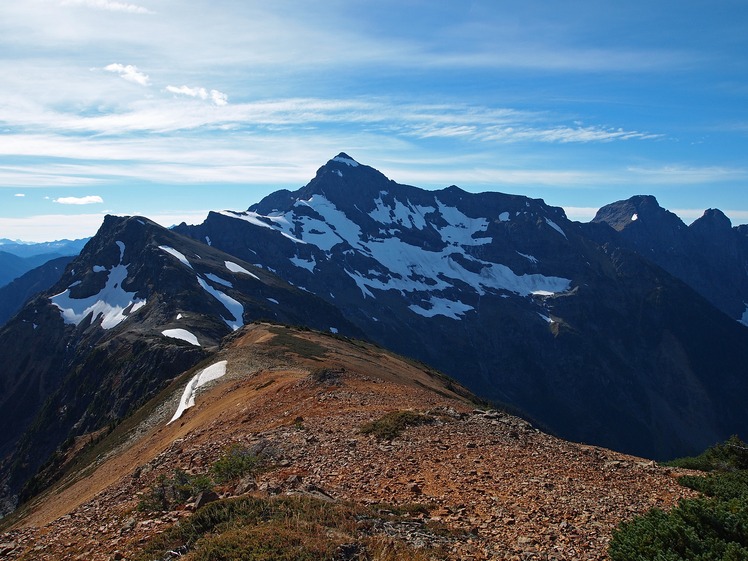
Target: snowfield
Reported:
[(182, 334), (112, 304), (394, 264), (209, 374)]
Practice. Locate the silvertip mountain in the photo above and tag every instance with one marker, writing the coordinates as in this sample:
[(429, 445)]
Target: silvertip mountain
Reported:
[(580, 327), (568, 323)]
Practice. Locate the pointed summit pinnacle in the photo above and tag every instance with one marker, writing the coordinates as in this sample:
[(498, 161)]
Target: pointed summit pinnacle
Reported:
[(344, 158)]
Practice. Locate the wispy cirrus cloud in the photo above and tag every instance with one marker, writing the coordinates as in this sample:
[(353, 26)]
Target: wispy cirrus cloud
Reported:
[(87, 200), (129, 72), (108, 5), (217, 97)]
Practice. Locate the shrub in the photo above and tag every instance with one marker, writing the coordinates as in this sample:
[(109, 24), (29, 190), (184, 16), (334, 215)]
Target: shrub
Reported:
[(393, 424), (727, 456), (711, 528), (284, 529), (237, 462), (696, 530), (168, 492)]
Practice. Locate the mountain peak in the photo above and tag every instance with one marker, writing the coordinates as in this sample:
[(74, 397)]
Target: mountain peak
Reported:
[(622, 214), (344, 158)]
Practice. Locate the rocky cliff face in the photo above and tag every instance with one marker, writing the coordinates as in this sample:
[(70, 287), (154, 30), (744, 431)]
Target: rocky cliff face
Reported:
[(573, 327)]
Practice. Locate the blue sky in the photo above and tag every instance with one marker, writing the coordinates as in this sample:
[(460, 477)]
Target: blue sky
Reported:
[(171, 108)]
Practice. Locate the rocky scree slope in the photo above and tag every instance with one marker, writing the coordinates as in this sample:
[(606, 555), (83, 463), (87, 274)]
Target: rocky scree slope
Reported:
[(490, 485), (137, 307), (511, 298)]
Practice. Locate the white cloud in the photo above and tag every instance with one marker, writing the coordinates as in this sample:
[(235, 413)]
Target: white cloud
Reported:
[(217, 97), (44, 228), (680, 174), (109, 5), (20, 195), (129, 73), (88, 200)]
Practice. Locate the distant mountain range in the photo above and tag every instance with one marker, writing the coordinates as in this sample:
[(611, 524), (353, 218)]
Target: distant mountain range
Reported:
[(17, 258), (625, 332)]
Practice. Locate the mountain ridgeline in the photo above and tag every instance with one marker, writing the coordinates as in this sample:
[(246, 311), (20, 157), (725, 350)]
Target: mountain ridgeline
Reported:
[(617, 333), (570, 323), (138, 306)]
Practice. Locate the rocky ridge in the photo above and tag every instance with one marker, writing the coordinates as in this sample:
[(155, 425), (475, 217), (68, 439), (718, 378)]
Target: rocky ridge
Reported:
[(504, 489)]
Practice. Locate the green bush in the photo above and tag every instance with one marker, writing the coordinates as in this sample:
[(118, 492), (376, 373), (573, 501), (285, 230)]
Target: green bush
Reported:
[(237, 462), (725, 486), (727, 456), (710, 528), (393, 424), (168, 492), (695, 530)]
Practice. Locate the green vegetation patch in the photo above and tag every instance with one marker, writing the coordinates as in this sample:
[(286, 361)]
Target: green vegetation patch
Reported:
[(237, 462), (167, 492), (709, 528), (284, 529), (394, 424), (696, 530), (727, 456), (289, 342)]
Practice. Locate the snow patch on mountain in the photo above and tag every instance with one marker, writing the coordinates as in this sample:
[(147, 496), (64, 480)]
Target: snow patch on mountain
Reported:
[(279, 222), (174, 253), (744, 319), (181, 334), (545, 317), (347, 161), (235, 268), (336, 220), (405, 215), (233, 307), (219, 280), (212, 372), (390, 263), (303, 263), (530, 258), (555, 226), (442, 307), (112, 303)]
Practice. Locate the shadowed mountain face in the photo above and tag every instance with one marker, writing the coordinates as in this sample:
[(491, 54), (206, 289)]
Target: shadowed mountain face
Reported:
[(564, 321), (137, 307), (709, 255)]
